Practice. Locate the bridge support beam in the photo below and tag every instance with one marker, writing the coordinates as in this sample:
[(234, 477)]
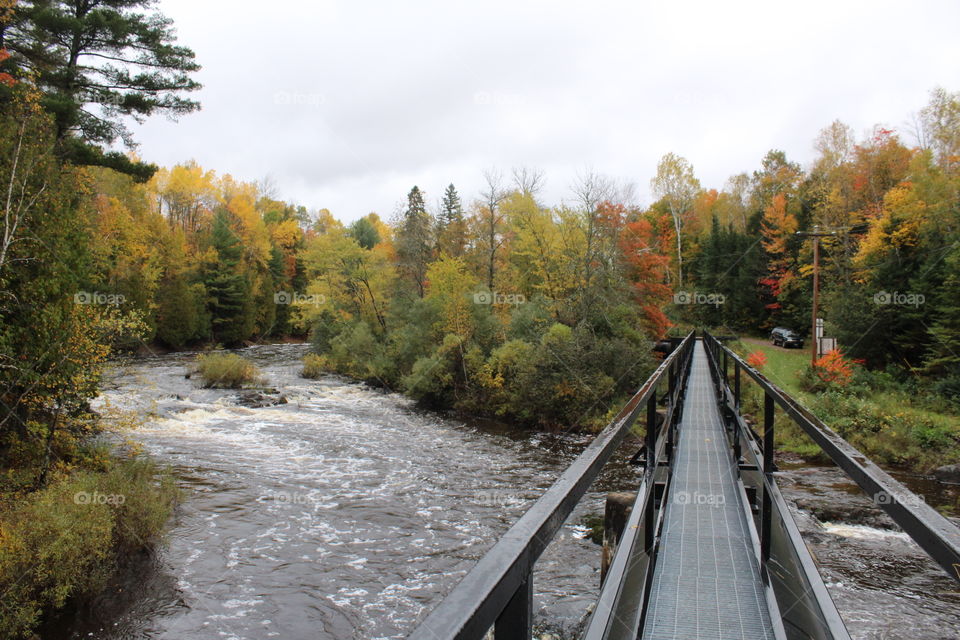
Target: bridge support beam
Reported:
[(516, 620)]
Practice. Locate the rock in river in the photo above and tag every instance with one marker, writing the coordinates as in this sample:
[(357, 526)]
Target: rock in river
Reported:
[(259, 399)]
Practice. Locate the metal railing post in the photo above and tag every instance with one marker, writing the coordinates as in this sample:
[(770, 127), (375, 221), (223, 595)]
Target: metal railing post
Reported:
[(736, 386), (726, 376), (516, 620), (671, 383), (651, 435), (768, 408), (648, 516)]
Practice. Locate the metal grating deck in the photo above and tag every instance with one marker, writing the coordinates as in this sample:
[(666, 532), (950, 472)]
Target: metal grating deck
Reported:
[(706, 584)]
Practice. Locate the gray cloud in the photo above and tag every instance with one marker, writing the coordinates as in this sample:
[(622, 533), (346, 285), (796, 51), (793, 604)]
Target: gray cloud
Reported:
[(348, 104)]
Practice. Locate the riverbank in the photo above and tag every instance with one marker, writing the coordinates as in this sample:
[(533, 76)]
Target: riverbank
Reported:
[(530, 371), (155, 348), (898, 425), (61, 543)]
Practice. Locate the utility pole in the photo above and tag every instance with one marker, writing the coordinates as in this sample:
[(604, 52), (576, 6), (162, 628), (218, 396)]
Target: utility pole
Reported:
[(816, 234)]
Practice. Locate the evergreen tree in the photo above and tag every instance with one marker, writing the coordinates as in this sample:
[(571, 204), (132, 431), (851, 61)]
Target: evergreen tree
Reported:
[(944, 356), (414, 242), (181, 313), (228, 290), (280, 283), (451, 228), (85, 54), (364, 233)]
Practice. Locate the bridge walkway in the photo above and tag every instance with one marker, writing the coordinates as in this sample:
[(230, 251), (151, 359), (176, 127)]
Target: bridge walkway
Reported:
[(706, 582)]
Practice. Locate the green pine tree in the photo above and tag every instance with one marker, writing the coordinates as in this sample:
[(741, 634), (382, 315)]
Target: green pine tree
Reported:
[(228, 289), (364, 233), (414, 242), (451, 227), (944, 357), (98, 62)]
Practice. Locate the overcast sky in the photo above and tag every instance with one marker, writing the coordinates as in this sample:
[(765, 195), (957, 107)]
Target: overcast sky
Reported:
[(346, 105)]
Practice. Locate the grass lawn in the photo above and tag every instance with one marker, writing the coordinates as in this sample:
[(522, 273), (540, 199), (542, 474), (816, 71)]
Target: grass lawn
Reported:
[(783, 365), (892, 424)]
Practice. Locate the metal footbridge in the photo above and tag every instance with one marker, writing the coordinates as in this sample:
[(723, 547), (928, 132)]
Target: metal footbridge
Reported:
[(708, 549), (706, 583)]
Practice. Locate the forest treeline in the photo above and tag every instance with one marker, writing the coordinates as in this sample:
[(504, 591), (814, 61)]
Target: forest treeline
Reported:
[(506, 305)]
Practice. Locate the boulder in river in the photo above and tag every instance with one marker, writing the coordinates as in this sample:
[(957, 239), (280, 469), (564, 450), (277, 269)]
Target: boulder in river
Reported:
[(254, 399), (949, 473)]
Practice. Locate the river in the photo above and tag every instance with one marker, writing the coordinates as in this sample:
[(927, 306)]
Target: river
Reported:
[(348, 513)]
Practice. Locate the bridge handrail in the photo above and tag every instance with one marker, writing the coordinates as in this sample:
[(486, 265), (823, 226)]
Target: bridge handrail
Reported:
[(499, 587), (936, 535), (790, 574)]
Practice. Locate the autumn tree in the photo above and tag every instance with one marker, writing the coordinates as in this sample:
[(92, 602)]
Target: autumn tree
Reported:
[(777, 175), (54, 337), (677, 187), (940, 127), (648, 262), (591, 191), (186, 194), (778, 227)]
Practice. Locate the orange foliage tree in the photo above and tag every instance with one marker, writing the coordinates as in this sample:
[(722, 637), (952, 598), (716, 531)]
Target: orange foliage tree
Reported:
[(645, 248)]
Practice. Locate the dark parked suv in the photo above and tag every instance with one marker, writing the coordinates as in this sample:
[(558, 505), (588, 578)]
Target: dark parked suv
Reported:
[(786, 338)]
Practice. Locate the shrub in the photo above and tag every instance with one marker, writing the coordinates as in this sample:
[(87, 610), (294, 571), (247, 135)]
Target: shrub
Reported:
[(314, 366), (830, 371), (887, 435), (226, 371), (949, 387), (934, 437), (757, 359), (62, 542), (833, 368)]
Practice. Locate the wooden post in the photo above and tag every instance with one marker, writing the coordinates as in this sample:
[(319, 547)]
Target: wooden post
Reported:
[(615, 515)]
